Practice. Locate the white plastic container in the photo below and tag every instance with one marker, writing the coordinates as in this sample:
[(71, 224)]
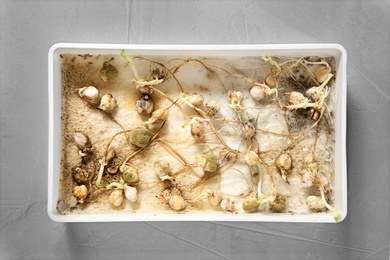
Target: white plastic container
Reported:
[(335, 50)]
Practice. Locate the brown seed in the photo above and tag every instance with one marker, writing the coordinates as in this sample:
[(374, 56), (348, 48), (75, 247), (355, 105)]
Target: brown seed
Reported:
[(196, 99), (212, 108), (197, 130)]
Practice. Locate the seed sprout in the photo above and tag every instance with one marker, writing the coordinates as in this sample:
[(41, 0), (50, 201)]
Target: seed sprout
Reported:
[(82, 141), (336, 211), (212, 108), (116, 198), (209, 163), (227, 205), (91, 95), (257, 166), (297, 98), (258, 92), (129, 173), (176, 201), (214, 197), (80, 192), (251, 203), (279, 204), (108, 103), (131, 193), (315, 202), (197, 130), (80, 175), (157, 119), (144, 105), (235, 98), (195, 99)]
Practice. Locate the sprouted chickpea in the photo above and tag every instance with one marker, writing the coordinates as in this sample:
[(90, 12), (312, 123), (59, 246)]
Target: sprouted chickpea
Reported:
[(131, 193), (90, 94), (116, 198), (145, 89), (214, 197), (163, 170), (279, 204), (297, 98), (209, 163), (82, 142), (212, 108), (108, 73), (108, 103), (258, 92), (80, 175), (129, 173), (158, 73), (157, 119), (197, 130), (140, 137), (251, 203), (196, 99), (284, 165), (176, 201), (227, 205), (235, 98), (315, 202), (144, 105), (81, 193)]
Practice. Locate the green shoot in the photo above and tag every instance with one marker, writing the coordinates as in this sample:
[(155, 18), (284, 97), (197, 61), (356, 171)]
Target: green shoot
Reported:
[(335, 210), (119, 185), (130, 61)]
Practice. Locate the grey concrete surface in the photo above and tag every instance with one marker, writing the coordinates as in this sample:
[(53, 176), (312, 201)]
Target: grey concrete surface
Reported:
[(29, 28)]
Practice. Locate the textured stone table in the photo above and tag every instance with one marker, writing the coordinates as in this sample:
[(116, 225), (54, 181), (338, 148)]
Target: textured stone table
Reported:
[(29, 28)]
